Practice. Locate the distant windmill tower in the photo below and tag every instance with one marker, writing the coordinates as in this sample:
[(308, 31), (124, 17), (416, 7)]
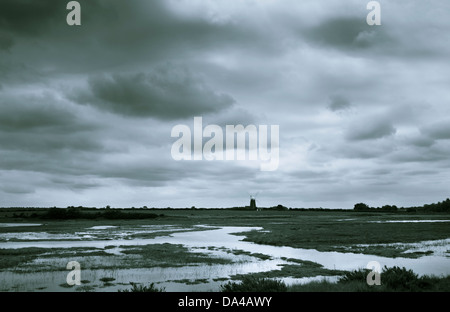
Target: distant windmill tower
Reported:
[(252, 203)]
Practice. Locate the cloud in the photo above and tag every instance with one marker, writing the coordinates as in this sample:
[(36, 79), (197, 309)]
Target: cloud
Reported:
[(164, 93), (41, 123), (33, 112), (346, 33), (41, 133), (17, 189), (87, 110), (370, 129), (439, 130), (420, 141), (114, 32), (6, 41), (432, 155), (28, 17), (338, 102)]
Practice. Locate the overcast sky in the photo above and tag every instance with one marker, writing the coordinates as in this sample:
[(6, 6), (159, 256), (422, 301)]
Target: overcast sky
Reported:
[(86, 111)]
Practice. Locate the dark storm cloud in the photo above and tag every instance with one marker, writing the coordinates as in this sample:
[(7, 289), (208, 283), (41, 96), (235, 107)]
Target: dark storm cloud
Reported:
[(438, 131), (28, 17), (420, 141), (338, 102), (370, 129), (346, 33), (6, 41), (41, 133), (114, 34), (167, 93), (40, 124), (30, 113)]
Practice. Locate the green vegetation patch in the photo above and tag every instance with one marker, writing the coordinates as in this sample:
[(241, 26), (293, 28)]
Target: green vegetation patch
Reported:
[(302, 269), (392, 251), (254, 284), (248, 253), (170, 255), (191, 282), (324, 232), (11, 258), (142, 288), (21, 258)]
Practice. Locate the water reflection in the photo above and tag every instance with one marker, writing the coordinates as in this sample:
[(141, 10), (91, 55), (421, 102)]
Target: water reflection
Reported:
[(19, 224), (216, 242)]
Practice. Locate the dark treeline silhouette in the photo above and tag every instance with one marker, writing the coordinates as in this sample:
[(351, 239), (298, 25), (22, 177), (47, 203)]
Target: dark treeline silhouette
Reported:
[(80, 213), (278, 207), (443, 206)]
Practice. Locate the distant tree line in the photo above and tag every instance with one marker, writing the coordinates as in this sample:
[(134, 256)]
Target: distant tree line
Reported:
[(78, 213), (443, 206), (278, 207)]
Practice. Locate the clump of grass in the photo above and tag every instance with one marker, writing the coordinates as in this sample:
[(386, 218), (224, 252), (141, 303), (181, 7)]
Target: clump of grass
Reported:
[(248, 253), (301, 269), (359, 275), (191, 282), (418, 254), (10, 258), (141, 288), (85, 288), (254, 284), (401, 279), (170, 255), (65, 285), (107, 279)]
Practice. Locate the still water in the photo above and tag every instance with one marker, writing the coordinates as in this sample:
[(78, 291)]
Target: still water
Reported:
[(208, 277)]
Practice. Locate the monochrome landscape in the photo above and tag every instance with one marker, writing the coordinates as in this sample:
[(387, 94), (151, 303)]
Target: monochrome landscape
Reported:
[(224, 146)]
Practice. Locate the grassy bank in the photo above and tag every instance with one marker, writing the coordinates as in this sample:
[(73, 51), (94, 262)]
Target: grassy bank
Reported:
[(393, 279)]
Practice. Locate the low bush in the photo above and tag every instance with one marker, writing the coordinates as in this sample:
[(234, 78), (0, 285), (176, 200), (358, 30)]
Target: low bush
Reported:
[(400, 279), (141, 288), (253, 284)]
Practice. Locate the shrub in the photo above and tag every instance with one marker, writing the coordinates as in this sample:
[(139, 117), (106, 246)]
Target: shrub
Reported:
[(392, 279), (142, 288), (400, 279), (359, 275), (254, 284)]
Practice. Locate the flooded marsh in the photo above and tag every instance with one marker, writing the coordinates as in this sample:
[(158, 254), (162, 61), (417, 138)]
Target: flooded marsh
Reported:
[(199, 251)]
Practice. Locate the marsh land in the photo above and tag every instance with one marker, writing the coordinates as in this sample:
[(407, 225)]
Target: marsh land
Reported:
[(203, 249)]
